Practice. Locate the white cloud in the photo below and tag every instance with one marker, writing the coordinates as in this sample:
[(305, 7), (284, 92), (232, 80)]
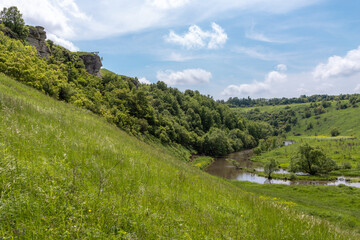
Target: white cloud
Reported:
[(357, 88), (62, 42), (281, 67), (197, 38), (186, 77), (178, 57), (263, 53), (339, 66), (272, 79), (251, 34), (258, 37), (144, 80), (167, 4), (84, 20)]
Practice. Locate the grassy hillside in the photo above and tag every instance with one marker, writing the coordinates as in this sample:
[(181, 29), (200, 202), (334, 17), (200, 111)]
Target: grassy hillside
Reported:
[(338, 204), (67, 173)]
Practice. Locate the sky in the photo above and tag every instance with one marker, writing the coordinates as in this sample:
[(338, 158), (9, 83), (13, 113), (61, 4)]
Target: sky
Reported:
[(223, 48)]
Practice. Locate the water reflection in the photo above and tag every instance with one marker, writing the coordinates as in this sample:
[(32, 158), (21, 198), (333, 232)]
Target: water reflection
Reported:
[(225, 169)]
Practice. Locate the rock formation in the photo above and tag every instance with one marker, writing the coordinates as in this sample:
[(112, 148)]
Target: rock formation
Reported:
[(36, 38), (92, 63)]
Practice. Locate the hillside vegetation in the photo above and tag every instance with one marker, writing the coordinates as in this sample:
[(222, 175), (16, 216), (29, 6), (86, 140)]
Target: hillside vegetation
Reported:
[(313, 126), (190, 119), (66, 173)]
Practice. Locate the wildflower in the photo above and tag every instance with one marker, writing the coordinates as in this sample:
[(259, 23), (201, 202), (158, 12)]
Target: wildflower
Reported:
[(89, 210)]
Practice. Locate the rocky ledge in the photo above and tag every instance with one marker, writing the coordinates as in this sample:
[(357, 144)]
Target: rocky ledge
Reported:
[(36, 38)]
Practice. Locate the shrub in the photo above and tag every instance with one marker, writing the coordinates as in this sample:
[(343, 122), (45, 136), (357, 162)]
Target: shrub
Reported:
[(346, 165), (335, 132)]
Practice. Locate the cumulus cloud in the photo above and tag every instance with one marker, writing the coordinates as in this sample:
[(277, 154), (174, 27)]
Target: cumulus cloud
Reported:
[(271, 79), (62, 42), (197, 38), (143, 80), (186, 77), (339, 66)]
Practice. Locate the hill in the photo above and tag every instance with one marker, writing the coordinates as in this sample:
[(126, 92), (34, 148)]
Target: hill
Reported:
[(189, 120), (66, 173)]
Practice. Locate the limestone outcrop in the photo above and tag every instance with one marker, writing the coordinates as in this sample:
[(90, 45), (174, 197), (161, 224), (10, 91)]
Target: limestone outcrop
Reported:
[(36, 38), (92, 63)]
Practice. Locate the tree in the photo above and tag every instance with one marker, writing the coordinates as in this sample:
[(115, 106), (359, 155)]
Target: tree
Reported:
[(311, 160), (12, 18), (270, 167)]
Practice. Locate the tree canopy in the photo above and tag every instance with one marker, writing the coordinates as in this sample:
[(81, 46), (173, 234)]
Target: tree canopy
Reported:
[(311, 160), (12, 18)]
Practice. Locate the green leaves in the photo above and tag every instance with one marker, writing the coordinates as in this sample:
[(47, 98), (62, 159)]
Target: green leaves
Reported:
[(12, 18)]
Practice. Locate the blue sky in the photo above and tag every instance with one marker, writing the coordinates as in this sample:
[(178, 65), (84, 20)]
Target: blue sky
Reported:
[(227, 48)]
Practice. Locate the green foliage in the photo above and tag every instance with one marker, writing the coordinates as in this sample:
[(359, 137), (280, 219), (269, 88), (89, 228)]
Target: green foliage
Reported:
[(202, 162), (337, 204), (12, 18), (67, 174), (311, 160), (270, 167), (335, 132), (346, 165), (190, 119), (268, 144)]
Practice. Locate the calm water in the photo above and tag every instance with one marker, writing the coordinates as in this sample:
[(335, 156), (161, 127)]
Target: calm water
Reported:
[(225, 169)]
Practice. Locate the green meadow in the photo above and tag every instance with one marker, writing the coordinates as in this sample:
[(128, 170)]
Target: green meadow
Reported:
[(338, 204), (68, 174)]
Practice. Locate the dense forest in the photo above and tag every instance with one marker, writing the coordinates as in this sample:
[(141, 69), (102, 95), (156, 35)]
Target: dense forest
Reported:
[(190, 119), (248, 102)]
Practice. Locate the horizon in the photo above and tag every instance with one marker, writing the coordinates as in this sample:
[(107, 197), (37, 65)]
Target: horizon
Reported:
[(256, 49)]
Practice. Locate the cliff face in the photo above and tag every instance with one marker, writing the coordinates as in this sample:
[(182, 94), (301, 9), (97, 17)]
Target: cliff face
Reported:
[(36, 38), (92, 63)]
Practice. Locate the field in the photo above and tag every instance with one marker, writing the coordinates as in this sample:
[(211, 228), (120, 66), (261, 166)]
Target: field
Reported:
[(68, 174), (316, 131), (338, 204)]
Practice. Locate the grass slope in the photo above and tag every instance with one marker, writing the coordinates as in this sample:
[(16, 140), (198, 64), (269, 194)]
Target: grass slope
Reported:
[(338, 204), (67, 174)]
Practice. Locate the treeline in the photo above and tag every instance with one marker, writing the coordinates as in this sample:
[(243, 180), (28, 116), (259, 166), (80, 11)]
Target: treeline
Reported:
[(248, 102), (190, 119), (281, 121)]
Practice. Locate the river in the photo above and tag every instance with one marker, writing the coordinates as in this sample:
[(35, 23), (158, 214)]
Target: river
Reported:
[(223, 168)]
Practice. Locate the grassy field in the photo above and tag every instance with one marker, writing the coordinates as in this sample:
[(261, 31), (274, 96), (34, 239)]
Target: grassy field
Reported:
[(68, 174), (338, 204), (344, 149)]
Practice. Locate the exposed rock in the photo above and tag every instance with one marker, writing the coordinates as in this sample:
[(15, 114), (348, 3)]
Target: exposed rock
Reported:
[(92, 63), (36, 38)]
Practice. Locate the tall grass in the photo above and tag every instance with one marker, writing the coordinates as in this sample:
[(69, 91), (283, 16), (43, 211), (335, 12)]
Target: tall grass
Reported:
[(67, 174)]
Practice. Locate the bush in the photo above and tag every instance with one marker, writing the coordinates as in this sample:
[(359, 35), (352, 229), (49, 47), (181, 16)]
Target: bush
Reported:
[(335, 132), (346, 165), (292, 177)]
